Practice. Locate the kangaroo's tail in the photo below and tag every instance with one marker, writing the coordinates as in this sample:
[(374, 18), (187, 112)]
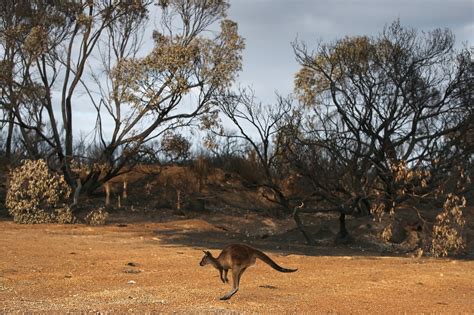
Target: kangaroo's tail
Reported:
[(270, 262)]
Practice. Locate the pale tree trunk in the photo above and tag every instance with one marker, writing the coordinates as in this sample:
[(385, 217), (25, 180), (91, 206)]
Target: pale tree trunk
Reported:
[(124, 193), (107, 194), (77, 192), (178, 200)]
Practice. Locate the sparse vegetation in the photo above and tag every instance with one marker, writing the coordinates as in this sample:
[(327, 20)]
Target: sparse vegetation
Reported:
[(378, 128), (447, 235), (97, 217), (35, 195), (130, 142)]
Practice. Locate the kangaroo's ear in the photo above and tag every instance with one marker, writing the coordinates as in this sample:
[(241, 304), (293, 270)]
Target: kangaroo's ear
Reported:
[(208, 253), (205, 252)]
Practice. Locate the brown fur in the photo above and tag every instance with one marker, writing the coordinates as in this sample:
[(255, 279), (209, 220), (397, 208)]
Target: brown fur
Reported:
[(237, 257)]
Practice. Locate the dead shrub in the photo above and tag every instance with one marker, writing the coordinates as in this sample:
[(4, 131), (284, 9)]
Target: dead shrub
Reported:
[(36, 195), (447, 231), (97, 217)]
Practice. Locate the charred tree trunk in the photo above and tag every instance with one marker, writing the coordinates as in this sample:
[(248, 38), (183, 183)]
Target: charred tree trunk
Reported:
[(9, 140), (299, 224), (91, 182), (343, 236), (342, 226), (283, 201)]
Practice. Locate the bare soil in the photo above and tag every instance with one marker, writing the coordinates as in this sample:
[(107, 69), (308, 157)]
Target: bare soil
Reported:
[(146, 259), (153, 267)]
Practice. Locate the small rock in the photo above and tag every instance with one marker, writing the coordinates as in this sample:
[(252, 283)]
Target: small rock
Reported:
[(131, 282)]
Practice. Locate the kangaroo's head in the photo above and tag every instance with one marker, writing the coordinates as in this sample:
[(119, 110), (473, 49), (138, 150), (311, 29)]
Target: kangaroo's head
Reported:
[(206, 259)]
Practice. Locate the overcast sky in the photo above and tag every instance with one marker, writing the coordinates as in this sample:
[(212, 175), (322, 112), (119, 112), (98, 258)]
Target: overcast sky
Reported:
[(269, 27)]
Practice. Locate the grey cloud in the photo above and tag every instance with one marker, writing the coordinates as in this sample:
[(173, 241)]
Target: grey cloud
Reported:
[(270, 26)]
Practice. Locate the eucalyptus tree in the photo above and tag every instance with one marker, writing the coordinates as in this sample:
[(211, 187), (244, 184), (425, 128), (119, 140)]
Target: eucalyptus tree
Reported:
[(259, 126), (196, 55), (71, 48), (27, 30), (52, 42), (379, 106)]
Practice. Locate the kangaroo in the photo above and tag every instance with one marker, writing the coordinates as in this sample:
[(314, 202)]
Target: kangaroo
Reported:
[(237, 257)]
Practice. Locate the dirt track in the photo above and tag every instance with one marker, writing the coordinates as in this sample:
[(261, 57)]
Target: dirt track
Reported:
[(46, 268)]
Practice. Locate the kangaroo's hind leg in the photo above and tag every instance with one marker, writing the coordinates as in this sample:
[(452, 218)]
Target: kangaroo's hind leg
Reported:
[(240, 275), (225, 275), (236, 274)]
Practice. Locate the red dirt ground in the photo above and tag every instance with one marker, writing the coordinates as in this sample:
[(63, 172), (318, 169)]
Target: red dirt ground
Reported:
[(79, 268)]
